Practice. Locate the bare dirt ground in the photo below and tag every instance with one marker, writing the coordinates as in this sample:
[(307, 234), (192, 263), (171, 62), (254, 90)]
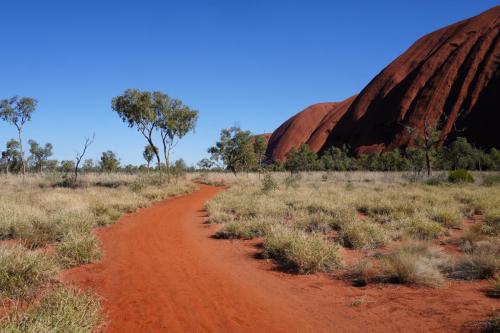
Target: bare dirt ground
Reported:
[(163, 272)]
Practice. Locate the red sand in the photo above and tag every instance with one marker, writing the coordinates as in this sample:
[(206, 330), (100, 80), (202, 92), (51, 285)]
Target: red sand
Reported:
[(162, 272)]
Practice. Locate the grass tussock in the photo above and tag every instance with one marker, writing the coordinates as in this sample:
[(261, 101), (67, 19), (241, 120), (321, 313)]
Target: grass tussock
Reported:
[(77, 249), (298, 251), (481, 261), (63, 310), (23, 272), (415, 263)]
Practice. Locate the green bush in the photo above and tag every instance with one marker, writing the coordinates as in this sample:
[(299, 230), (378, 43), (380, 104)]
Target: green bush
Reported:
[(460, 176), (268, 183), (22, 271), (491, 180), (62, 311), (362, 234), (77, 249), (246, 229), (298, 251)]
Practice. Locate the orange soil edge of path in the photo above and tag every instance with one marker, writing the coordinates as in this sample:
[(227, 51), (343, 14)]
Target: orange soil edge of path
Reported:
[(162, 272)]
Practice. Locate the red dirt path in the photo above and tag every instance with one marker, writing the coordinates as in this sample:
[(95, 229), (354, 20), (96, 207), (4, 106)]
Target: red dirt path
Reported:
[(162, 272)]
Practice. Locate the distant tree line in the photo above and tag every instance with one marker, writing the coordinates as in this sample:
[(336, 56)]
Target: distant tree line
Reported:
[(240, 151), (152, 113)]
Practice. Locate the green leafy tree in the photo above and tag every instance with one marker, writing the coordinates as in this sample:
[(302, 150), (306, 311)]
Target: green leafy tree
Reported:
[(392, 161), (461, 154), (260, 147), (109, 162), (39, 154), (336, 159), (205, 164), (426, 139), (494, 156), (88, 165), (17, 111), (179, 168), (11, 157), (67, 166), (148, 154), (175, 120), (137, 109), (302, 159), (416, 158), (51, 165), (234, 149)]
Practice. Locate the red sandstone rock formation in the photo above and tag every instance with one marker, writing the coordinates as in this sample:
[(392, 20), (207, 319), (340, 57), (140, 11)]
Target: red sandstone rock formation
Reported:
[(311, 126), (449, 78)]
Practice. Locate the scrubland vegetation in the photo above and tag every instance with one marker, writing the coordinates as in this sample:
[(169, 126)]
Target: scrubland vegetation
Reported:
[(45, 227), (398, 229)]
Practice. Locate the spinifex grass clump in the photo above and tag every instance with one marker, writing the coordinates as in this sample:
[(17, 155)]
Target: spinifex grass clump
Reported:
[(416, 263), (63, 310), (298, 251), (23, 272)]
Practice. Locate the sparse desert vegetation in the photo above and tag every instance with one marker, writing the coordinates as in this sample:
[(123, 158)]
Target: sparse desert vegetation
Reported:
[(45, 227), (304, 219)]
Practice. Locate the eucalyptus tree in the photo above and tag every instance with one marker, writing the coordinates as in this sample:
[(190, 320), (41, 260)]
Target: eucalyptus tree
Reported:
[(155, 111), (39, 154), (17, 111), (175, 121), (136, 108)]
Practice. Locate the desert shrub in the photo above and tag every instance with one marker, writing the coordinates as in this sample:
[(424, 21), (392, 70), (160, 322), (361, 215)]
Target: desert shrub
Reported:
[(246, 229), (361, 234), (77, 249), (492, 223), (293, 180), (415, 263), (106, 215), (63, 310), (22, 272), (436, 180), (491, 325), (447, 217), (423, 229), (481, 262), (298, 251), (268, 183), (460, 176), (491, 180)]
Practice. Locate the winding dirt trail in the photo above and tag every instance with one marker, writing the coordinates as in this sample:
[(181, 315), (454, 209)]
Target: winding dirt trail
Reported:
[(162, 272)]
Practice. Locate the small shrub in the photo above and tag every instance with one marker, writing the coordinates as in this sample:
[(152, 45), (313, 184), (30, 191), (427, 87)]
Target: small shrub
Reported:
[(268, 183), (362, 234), (460, 176), (491, 325), (423, 229), (492, 223), (481, 262), (415, 263), (77, 249), (491, 180), (63, 310), (298, 251), (293, 180), (448, 217), (106, 215), (22, 272), (247, 229)]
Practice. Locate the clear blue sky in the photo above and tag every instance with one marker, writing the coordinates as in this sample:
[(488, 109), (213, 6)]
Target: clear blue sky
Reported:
[(251, 63)]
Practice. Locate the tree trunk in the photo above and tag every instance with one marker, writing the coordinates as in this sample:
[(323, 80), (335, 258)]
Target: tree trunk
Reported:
[(21, 151), (428, 162)]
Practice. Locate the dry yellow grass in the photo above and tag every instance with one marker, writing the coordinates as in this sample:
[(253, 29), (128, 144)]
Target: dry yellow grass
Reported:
[(35, 213), (360, 210)]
